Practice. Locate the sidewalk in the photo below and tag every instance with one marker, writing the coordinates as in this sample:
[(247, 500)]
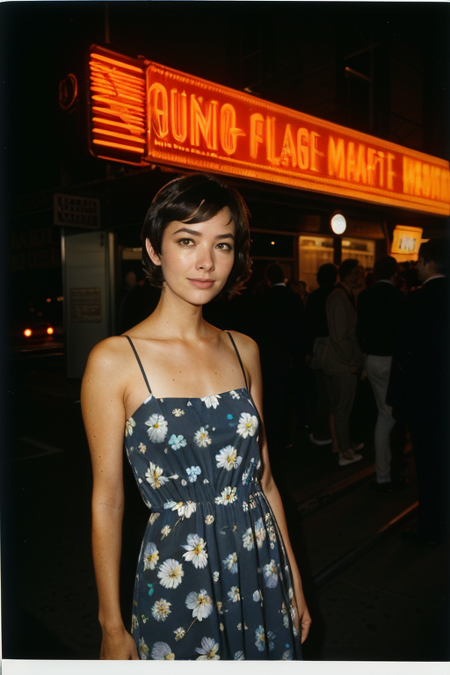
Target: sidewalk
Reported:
[(389, 606)]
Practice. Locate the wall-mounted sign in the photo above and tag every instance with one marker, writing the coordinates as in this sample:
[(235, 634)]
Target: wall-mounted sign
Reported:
[(72, 210), (117, 107), (85, 305), (406, 242), (142, 112), (68, 92)]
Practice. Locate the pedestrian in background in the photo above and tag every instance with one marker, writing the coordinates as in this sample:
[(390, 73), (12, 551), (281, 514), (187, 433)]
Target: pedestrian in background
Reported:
[(343, 359), (303, 292), (375, 331), (322, 424), (418, 387), (281, 341)]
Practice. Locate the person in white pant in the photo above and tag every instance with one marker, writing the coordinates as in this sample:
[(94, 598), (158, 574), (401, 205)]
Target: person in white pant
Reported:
[(375, 331)]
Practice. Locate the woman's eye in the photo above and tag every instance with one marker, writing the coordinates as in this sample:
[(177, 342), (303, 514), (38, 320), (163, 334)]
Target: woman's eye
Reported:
[(185, 242), (224, 247)]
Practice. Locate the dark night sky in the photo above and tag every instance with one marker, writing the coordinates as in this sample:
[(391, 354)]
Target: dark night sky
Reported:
[(42, 41)]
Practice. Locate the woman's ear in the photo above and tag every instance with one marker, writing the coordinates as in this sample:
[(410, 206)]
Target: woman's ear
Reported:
[(154, 257)]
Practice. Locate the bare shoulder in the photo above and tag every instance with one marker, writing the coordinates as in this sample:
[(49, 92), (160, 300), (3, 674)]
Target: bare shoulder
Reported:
[(249, 353), (248, 349), (104, 382), (108, 357), (243, 341)]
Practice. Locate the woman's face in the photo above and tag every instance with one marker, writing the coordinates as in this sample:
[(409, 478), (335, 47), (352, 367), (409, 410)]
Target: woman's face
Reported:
[(353, 278), (197, 259)]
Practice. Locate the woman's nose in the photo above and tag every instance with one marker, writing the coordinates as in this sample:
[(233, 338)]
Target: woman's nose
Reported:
[(205, 260)]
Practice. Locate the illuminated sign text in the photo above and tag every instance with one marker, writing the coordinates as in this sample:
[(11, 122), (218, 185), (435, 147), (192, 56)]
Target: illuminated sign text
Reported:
[(144, 113), (406, 242)]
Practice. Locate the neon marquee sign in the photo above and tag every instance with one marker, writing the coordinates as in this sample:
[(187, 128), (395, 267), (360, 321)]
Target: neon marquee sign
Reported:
[(144, 113)]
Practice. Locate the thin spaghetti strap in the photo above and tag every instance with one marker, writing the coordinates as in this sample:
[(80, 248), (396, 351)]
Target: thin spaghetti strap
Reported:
[(139, 362), (239, 357)]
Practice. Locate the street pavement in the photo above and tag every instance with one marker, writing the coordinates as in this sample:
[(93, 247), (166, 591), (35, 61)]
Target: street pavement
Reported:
[(389, 603)]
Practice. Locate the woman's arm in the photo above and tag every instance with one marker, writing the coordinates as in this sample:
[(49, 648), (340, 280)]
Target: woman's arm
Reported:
[(104, 419), (250, 355)]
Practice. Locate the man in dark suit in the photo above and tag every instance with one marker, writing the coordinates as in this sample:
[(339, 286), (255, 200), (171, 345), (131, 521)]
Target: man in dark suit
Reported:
[(281, 340), (418, 387), (375, 332)]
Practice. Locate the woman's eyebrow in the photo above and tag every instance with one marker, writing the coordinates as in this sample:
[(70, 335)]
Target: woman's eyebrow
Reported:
[(186, 229), (225, 236), (196, 233)]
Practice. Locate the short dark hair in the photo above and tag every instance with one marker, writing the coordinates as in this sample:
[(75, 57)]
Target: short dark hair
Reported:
[(437, 251), (274, 273), (346, 267), (195, 199), (385, 268), (327, 274)]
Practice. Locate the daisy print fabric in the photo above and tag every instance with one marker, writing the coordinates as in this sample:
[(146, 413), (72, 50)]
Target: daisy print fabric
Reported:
[(212, 553)]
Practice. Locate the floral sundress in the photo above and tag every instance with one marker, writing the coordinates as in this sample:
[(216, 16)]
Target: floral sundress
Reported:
[(213, 579)]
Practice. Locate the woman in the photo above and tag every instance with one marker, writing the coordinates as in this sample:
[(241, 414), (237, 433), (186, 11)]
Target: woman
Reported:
[(216, 575)]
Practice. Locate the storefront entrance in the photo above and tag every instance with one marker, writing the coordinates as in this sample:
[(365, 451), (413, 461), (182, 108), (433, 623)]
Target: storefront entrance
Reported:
[(316, 251)]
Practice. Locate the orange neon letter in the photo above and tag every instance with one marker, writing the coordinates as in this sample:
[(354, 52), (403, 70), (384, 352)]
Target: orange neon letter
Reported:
[(408, 175), (158, 109), (288, 154), (336, 158), (371, 152), (228, 130), (206, 125), (351, 162), (315, 154), (380, 161), (390, 171), (303, 148), (361, 170), (256, 133), (436, 184), (418, 179), (426, 180), (178, 115), (270, 140)]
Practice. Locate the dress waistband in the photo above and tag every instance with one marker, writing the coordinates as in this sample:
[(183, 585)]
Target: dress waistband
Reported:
[(227, 497)]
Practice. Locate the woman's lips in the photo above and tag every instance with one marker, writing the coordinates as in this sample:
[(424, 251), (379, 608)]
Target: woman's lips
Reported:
[(202, 283)]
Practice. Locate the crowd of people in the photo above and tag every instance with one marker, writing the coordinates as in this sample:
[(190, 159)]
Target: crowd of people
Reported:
[(394, 331)]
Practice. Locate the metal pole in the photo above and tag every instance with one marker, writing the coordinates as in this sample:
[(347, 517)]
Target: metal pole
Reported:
[(107, 39), (371, 88), (337, 245)]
